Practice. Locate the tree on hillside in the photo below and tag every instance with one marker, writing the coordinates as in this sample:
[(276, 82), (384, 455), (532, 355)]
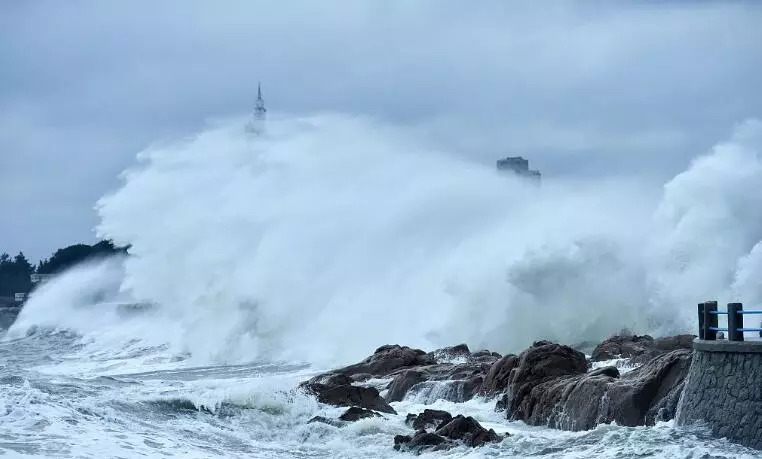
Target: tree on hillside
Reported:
[(15, 274), (67, 257)]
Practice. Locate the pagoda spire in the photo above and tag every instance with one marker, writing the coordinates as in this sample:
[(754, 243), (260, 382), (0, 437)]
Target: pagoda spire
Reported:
[(256, 125)]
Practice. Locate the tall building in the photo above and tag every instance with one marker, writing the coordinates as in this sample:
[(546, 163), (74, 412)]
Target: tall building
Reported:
[(518, 166), (256, 125)]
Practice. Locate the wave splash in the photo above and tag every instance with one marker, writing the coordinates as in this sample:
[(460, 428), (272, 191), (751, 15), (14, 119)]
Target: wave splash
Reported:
[(333, 235)]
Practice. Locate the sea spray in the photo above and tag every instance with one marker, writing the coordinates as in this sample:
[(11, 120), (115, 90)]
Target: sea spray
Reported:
[(334, 235)]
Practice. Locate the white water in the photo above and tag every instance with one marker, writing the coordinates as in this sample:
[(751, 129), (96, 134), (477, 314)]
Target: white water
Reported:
[(332, 236)]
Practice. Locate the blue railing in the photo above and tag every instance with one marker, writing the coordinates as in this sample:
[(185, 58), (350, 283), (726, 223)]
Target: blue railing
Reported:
[(708, 316)]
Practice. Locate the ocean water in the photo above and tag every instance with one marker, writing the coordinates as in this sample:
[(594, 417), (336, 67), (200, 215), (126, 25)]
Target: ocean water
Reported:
[(256, 263), (60, 396)]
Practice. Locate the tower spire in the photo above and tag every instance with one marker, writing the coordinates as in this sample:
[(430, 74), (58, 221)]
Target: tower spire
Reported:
[(256, 125)]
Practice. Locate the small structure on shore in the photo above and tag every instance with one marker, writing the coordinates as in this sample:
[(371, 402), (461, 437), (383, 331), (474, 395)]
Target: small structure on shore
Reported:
[(39, 278), (518, 166), (723, 388)]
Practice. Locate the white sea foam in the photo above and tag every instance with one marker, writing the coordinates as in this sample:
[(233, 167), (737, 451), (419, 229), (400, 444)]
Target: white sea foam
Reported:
[(334, 235)]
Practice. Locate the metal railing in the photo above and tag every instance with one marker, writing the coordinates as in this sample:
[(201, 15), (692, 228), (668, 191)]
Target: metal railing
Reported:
[(708, 317)]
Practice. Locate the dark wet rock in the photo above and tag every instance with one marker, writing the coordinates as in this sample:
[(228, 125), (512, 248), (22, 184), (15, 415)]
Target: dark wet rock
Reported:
[(348, 395), (453, 352), (582, 401), (612, 372), (450, 432), (542, 362), (640, 349), (661, 382), (415, 369), (402, 383), (356, 413), (387, 359), (485, 354), (428, 419), (662, 346), (468, 430), (421, 441), (401, 439), (324, 420), (617, 347), (499, 373), (470, 387), (361, 377)]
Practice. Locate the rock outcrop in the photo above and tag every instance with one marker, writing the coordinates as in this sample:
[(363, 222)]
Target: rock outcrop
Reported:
[(581, 401), (547, 384), (448, 432), (428, 419), (402, 383), (640, 349), (337, 392), (499, 375), (356, 413), (621, 347), (543, 362), (452, 373)]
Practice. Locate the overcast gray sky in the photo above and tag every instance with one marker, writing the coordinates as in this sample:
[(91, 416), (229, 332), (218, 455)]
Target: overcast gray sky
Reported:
[(582, 88)]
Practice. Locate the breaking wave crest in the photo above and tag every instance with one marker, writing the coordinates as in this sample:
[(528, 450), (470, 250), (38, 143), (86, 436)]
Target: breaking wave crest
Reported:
[(333, 235)]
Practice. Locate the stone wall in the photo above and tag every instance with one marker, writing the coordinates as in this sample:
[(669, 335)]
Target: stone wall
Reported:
[(724, 389)]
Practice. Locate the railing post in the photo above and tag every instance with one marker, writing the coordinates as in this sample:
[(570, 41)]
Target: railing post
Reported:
[(710, 320), (701, 333), (735, 322)]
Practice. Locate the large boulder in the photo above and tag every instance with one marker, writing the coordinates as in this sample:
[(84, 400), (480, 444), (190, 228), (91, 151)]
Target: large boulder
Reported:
[(582, 401), (387, 359), (422, 441), (348, 395), (623, 347), (451, 373), (543, 362), (468, 431), (650, 393), (640, 349), (402, 383), (428, 419), (450, 432), (498, 375), (461, 351), (662, 346), (356, 413)]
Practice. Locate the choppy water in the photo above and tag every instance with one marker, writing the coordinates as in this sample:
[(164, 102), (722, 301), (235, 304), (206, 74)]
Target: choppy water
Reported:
[(331, 236), (61, 397)]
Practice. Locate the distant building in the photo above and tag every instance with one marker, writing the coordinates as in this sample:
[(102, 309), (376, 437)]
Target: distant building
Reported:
[(519, 166), (256, 125), (19, 297)]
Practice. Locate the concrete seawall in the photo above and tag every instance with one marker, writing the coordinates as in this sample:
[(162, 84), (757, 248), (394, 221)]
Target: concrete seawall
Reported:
[(724, 389)]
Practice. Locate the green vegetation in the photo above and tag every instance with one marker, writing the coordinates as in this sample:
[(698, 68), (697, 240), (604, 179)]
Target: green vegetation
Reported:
[(15, 273)]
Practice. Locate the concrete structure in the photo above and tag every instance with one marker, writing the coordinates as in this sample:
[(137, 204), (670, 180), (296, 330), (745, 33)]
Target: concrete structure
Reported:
[(519, 166), (257, 124), (37, 278), (724, 389), (19, 297)]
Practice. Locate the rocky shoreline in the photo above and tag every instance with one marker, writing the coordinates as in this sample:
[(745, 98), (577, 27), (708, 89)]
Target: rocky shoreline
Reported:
[(547, 384)]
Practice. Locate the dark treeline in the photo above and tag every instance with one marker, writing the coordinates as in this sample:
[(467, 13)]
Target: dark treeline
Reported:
[(16, 272)]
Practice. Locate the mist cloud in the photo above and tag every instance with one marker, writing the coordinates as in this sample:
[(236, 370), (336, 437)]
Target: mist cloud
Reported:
[(582, 88)]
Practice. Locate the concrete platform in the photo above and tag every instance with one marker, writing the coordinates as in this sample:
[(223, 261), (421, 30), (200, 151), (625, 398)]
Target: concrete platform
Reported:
[(728, 346)]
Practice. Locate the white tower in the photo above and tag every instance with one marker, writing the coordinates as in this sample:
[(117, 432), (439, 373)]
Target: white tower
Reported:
[(257, 124)]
